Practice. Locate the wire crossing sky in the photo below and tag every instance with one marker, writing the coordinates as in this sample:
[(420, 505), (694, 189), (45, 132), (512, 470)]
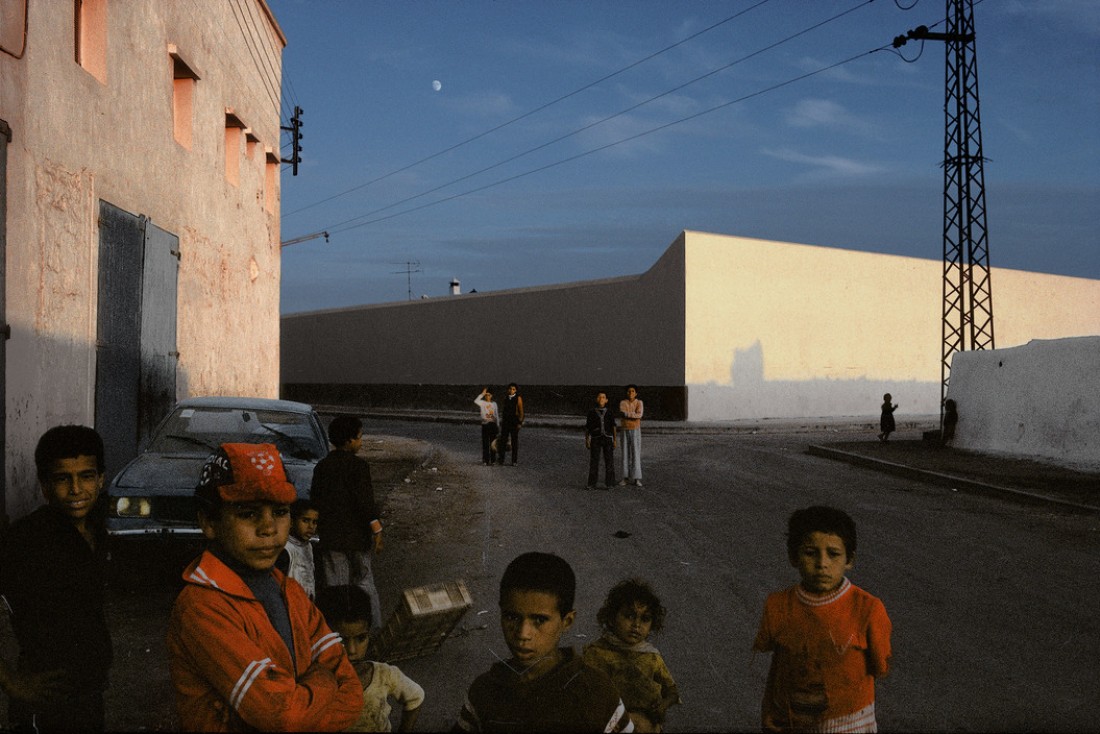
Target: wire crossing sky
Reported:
[(586, 136)]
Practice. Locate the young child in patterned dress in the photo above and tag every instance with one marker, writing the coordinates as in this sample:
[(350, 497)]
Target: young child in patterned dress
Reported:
[(631, 613), (829, 639)]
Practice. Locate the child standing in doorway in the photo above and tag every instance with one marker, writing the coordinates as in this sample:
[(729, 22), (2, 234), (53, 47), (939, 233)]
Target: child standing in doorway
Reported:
[(829, 639), (631, 613)]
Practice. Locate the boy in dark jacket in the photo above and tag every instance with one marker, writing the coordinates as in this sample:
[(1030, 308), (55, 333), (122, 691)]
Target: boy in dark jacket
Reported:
[(542, 687), (51, 582), (349, 530), (600, 438)]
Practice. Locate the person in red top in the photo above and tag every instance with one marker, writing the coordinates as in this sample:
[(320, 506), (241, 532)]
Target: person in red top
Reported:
[(248, 650), (829, 639)]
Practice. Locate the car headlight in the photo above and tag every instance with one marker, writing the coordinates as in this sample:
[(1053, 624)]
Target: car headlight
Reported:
[(133, 507)]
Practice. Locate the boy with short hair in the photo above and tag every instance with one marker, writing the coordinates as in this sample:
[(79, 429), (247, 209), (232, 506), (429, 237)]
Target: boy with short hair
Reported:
[(511, 420), (299, 548), (542, 687), (248, 650), (347, 610), (51, 581), (600, 440), (829, 639), (350, 531)]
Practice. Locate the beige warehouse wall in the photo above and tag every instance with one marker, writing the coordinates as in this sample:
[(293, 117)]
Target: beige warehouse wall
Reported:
[(78, 139), (1041, 399), (592, 333), (785, 330)]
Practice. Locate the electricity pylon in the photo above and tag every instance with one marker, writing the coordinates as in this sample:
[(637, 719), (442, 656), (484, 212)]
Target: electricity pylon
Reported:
[(967, 286)]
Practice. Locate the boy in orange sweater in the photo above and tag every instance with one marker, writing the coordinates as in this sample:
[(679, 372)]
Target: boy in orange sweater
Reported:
[(829, 639)]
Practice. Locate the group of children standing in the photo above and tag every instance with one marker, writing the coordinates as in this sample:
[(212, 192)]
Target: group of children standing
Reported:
[(601, 438), (248, 648)]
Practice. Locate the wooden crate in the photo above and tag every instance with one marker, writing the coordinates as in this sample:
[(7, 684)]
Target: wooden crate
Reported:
[(422, 621)]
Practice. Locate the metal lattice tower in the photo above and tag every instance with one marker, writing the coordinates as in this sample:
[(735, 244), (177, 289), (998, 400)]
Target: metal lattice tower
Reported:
[(967, 287)]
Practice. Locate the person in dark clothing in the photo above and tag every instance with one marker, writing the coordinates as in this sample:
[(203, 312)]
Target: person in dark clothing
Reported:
[(51, 583), (511, 420), (886, 421), (600, 438), (543, 686), (349, 530), (950, 420)]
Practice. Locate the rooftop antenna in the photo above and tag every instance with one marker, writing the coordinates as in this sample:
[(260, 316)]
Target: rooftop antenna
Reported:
[(411, 266)]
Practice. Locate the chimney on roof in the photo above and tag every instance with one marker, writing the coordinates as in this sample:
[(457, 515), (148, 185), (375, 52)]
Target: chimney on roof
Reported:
[(456, 287)]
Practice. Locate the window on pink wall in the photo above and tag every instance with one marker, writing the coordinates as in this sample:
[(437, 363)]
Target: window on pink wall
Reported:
[(234, 133), (271, 180), (183, 94), (251, 143), (90, 37)]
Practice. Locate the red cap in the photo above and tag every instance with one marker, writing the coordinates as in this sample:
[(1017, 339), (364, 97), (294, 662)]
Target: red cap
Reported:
[(248, 472)]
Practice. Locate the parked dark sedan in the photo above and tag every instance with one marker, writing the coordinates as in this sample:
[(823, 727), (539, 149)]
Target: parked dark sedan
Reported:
[(154, 493)]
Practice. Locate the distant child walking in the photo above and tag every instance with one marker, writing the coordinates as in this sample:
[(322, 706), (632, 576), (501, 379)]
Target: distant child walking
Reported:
[(829, 639), (631, 613), (347, 610), (886, 422)]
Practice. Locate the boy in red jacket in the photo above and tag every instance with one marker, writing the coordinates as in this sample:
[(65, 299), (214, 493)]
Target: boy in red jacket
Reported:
[(247, 650)]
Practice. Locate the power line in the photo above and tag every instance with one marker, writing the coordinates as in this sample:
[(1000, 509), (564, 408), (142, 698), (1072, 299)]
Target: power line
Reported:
[(628, 139), (337, 225), (246, 36), (525, 115)]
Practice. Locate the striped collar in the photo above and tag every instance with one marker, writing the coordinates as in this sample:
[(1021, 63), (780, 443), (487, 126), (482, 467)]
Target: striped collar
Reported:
[(814, 600)]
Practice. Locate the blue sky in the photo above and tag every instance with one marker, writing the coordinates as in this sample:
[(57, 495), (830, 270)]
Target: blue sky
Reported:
[(846, 157)]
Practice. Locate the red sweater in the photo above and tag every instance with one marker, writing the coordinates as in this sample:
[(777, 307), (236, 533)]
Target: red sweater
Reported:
[(232, 671), (827, 652)]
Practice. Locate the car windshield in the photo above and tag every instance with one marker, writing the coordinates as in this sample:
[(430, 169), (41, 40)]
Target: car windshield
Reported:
[(202, 430)]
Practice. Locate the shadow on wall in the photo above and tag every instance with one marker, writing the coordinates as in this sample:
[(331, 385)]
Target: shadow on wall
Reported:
[(750, 395)]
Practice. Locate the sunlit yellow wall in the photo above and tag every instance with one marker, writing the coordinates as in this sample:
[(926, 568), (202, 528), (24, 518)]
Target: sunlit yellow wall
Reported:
[(776, 329)]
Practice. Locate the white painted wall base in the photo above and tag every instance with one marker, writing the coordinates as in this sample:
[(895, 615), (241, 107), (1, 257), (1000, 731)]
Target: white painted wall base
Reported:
[(1040, 400)]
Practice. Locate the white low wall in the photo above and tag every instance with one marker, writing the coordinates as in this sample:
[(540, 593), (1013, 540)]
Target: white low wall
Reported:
[(1039, 400)]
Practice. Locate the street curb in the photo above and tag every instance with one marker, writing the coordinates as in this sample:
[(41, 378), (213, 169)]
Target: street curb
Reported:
[(944, 480), (747, 426)]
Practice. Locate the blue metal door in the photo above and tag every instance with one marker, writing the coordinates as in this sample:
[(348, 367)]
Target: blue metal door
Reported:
[(136, 331)]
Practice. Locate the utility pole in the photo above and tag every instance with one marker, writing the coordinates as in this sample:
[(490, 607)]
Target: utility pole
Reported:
[(411, 266), (967, 287), (295, 130)]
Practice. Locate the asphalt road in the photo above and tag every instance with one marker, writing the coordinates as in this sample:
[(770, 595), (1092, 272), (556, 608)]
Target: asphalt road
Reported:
[(994, 604)]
